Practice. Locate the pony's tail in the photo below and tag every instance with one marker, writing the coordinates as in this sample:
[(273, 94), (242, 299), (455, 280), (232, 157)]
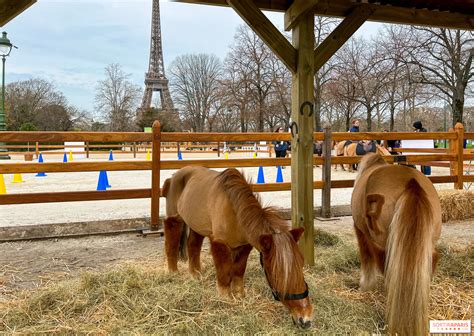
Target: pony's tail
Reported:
[(409, 262)]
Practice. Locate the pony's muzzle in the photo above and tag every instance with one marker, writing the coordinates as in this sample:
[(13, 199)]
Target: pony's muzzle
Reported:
[(302, 323)]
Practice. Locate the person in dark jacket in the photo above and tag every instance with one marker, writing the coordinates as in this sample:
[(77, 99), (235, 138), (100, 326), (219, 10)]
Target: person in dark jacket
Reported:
[(280, 146), (355, 126), (418, 126)]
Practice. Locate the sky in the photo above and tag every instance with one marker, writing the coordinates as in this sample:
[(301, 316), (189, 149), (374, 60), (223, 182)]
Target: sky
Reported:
[(70, 42)]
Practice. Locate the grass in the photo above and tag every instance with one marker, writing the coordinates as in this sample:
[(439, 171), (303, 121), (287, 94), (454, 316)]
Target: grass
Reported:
[(142, 298)]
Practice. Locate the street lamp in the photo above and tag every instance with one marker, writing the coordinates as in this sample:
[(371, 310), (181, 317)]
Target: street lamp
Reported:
[(5, 49)]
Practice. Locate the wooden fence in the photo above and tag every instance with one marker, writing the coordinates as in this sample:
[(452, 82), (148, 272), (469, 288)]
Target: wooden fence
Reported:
[(134, 148), (454, 155)]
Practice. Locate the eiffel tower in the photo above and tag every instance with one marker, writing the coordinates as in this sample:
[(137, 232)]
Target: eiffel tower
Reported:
[(155, 79)]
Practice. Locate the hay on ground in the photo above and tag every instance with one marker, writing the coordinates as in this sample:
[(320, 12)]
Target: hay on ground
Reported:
[(142, 298)]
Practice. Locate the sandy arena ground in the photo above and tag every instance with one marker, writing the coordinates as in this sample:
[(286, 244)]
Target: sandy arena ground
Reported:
[(49, 213)]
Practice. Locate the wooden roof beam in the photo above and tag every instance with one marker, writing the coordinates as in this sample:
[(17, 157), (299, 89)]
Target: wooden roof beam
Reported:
[(296, 11), (10, 9), (272, 37), (340, 35)]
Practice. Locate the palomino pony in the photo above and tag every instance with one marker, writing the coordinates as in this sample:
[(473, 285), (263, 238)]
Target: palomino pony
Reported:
[(397, 220), (339, 149), (222, 206)]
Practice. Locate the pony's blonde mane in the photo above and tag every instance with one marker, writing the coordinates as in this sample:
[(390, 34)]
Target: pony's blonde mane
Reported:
[(257, 221)]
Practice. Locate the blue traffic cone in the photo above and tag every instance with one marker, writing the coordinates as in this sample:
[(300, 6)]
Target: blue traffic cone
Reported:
[(65, 157), (102, 184), (107, 180), (261, 177), (180, 156), (111, 156), (279, 175), (40, 160)]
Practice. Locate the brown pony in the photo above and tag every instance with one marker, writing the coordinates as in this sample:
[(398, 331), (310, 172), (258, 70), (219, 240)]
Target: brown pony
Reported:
[(350, 150), (397, 221), (222, 206)]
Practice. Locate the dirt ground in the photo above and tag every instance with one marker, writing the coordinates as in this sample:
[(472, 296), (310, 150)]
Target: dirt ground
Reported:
[(28, 264)]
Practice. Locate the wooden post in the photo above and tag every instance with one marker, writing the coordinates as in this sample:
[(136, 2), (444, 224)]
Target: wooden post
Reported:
[(218, 149), (155, 176), (134, 150), (302, 98), (456, 147), (37, 149), (326, 192), (87, 149)]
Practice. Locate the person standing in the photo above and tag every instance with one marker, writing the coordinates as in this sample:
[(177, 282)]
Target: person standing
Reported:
[(280, 146), (418, 127), (355, 126)]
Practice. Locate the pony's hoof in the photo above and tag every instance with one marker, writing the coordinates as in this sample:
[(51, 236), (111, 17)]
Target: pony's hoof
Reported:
[(366, 286), (239, 295), (224, 292), (196, 275)]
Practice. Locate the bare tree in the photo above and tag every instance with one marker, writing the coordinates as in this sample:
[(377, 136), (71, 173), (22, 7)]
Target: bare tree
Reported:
[(444, 59), (117, 99), (37, 103), (340, 94), (195, 82), (322, 28), (254, 67), (363, 61), (237, 84)]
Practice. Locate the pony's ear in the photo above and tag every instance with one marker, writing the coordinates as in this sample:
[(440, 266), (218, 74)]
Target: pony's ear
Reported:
[(266, 241), (297, 233)]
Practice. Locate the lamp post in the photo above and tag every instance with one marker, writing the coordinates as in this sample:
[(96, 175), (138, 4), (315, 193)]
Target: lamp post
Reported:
[(5, 49)]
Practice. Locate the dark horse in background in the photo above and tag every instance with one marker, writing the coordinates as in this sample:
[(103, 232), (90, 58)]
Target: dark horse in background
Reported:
[(397, 221), (222, 206)]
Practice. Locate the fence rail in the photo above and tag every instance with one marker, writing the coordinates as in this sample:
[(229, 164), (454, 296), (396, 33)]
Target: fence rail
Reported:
[(453, 156)]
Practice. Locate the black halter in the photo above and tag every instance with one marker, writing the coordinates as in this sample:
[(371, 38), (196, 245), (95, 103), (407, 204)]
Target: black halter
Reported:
[(287, 296)]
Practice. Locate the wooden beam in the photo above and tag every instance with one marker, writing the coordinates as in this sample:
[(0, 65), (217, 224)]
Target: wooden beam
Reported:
[(302, 103), (456, 147), (74, 136), (326, 193), (391, 13), (74, 196), (460, 16), (10, 9), (155, 177), (263, 27), (272, 5), (340, 35), (297, 10)]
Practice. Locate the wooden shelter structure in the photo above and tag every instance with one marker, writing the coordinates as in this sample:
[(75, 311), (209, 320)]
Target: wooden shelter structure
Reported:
[(9, 9), (303, 60)]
